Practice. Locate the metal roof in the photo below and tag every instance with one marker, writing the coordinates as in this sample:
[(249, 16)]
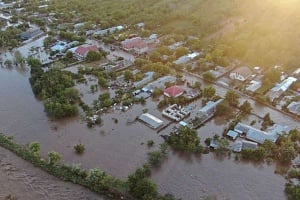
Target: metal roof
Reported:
[(151, 120)]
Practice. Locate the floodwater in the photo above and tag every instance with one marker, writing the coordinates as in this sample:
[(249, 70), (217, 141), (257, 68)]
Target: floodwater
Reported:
[(119, 148), (22, 180)]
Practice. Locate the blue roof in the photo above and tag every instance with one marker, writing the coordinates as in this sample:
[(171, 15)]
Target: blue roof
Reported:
[(232, 134)]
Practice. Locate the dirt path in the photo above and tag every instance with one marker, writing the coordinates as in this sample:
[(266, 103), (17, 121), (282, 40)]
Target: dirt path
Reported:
[(23, 181)]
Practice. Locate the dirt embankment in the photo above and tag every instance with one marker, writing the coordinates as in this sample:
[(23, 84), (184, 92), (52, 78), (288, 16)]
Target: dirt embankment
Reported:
[(21, 180)]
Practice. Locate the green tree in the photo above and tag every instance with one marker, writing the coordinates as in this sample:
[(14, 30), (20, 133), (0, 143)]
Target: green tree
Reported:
[(232, 98), (246, 107), (209, 76), (181, 51), (209, 92), (53, 157), (93, 56), (155, 158), (34, 148), (79, 148), (128, 75)]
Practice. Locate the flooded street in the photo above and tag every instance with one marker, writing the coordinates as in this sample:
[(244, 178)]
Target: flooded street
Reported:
[(119, 148)]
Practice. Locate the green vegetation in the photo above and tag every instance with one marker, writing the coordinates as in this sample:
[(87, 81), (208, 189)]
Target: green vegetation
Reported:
[(55, 87), (79, 148), (186, 139), (156, 157)]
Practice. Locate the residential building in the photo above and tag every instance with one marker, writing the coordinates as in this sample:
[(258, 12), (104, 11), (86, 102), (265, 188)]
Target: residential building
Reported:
[(82, 51), (136, 44), (280, 88), (62, 46), (241, 73), (173, 91), (257, 135), (108, 31), (186, 58)]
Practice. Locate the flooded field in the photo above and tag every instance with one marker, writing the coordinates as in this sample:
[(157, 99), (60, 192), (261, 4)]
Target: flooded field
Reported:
[(120, 147)]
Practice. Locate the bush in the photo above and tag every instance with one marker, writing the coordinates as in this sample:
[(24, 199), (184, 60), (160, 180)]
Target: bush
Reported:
[(79, 148)]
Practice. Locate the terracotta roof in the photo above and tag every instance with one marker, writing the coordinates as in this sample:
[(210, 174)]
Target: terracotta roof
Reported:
[(244, 71), (136, 42), (83, 50), (174, 91)]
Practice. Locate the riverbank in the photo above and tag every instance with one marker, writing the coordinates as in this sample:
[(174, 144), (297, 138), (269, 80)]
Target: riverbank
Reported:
[(22, 180)]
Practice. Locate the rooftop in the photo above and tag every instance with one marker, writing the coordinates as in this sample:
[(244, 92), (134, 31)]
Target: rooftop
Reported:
[(174, 91), (151, 120), (284, 85), (294, 107)]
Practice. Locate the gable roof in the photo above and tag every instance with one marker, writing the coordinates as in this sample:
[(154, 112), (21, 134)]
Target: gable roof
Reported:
[(83, 50), (244, 71), (174, 91)]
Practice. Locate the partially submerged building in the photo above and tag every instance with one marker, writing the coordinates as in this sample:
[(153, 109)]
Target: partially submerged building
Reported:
[(151, 121), (257, 135), (175, 112)]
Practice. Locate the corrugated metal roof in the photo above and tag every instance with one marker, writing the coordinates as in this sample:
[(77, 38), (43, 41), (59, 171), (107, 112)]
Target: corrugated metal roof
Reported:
[(151, 120)]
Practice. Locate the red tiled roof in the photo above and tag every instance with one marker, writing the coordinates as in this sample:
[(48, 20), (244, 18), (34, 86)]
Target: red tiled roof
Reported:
[(174, 91), (83, 50), (136, 42)]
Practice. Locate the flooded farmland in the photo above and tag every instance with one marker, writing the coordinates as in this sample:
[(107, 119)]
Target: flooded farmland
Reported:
[(119, 147)]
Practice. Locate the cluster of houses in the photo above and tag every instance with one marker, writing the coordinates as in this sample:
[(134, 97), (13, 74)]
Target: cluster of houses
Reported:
[(251, 137)]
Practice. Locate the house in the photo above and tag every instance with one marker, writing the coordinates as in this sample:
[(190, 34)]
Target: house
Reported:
[(280, 88), (173, 91), (108, 31), (241, 73), (82, 51), (135, 44), (32, 32), (186, 58), (257, 135), (62, 46), (294, 107)]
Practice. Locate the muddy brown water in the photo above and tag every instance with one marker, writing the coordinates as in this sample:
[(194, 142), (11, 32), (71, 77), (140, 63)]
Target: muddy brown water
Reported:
[(119, 148), (22, 180)]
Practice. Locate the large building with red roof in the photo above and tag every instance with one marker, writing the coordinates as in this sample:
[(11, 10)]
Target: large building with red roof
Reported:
[(173, 91), (82, 51), (135, 44)]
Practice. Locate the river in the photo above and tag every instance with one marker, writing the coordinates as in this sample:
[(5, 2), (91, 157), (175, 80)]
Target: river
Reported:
[(119, 148)]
